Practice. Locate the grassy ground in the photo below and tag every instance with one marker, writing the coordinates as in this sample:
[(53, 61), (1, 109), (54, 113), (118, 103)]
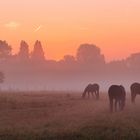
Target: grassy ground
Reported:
[(65, 116)]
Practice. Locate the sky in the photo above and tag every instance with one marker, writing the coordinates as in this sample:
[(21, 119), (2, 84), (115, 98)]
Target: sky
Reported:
[(62, 25)]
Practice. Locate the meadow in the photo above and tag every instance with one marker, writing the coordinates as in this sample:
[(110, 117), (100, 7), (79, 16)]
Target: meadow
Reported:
[(65, 116)]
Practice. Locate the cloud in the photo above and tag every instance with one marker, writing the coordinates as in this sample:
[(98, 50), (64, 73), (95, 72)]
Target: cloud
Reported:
[(38, 28), (12, 25)]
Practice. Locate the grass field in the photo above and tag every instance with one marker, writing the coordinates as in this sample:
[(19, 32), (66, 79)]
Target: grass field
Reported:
[(65, 116)]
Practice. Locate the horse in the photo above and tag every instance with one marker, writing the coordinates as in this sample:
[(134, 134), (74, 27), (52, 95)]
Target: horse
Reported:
[(135, 89), (117, 93), (91, 88)]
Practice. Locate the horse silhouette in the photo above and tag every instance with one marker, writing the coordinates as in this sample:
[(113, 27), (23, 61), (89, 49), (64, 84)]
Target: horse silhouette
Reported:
[(135, 89), (91, 89), (117, 93)]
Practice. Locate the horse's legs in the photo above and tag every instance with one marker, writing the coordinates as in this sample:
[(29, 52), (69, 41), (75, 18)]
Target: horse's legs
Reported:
[(120, 105), (116, 101), (97, 95), (133, 96), (91, 93), (88, 94), (94, 95), (111, 104)]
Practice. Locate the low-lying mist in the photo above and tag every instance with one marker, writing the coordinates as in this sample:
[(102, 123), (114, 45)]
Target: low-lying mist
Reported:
[(32, 71)]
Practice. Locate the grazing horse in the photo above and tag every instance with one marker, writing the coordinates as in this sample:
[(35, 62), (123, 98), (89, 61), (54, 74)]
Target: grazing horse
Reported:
[(135, 89), (91, 88), (117, 93)]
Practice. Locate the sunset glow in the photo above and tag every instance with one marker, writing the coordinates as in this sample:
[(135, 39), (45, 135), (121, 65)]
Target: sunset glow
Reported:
[(63, 25)]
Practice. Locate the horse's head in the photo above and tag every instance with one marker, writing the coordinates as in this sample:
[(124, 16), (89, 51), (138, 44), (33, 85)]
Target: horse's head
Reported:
[(83, 95)]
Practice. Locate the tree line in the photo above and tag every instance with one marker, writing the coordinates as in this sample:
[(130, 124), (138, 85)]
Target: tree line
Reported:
[(88, 56), (88, 64)]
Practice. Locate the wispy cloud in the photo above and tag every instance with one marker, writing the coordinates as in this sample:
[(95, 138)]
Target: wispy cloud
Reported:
[(38, 28), (12, 25)]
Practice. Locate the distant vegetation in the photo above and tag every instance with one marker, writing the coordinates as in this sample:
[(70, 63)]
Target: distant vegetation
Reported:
[(31, 70), (87, 55)]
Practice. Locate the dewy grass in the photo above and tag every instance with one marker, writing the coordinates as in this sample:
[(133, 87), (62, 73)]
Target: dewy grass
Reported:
[(45, 116)]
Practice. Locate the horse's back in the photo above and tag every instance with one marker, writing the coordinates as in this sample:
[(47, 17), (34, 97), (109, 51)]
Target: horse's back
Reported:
[(91, 88), (116, 91), (96, 86)]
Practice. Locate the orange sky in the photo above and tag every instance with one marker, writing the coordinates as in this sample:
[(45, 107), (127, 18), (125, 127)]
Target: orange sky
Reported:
[(62, 25)]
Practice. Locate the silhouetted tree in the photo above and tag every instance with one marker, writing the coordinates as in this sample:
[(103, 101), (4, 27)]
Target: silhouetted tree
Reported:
[(117, 66), (5, 50), (89, 54), (133, 61), (68, 59), (68, 63), (24, 51), (38, 53)]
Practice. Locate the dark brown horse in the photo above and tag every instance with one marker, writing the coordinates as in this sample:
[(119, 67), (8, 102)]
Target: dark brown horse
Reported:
[(91, 89), (135, 89), (117, 93)]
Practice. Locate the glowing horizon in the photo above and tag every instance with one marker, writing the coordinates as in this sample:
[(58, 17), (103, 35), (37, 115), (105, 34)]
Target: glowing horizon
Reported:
[(63, 25)]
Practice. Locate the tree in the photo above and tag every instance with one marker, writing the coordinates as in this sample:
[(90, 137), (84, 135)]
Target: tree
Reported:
[(133, 61), (5, 50), (38, 53), (89, 54), (69, 59), (24, 51)]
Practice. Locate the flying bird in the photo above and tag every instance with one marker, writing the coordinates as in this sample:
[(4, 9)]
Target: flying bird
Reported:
[(38, 28)]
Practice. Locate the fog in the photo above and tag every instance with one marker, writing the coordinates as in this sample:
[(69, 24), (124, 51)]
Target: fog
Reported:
[(27, 71), (72, 83)]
